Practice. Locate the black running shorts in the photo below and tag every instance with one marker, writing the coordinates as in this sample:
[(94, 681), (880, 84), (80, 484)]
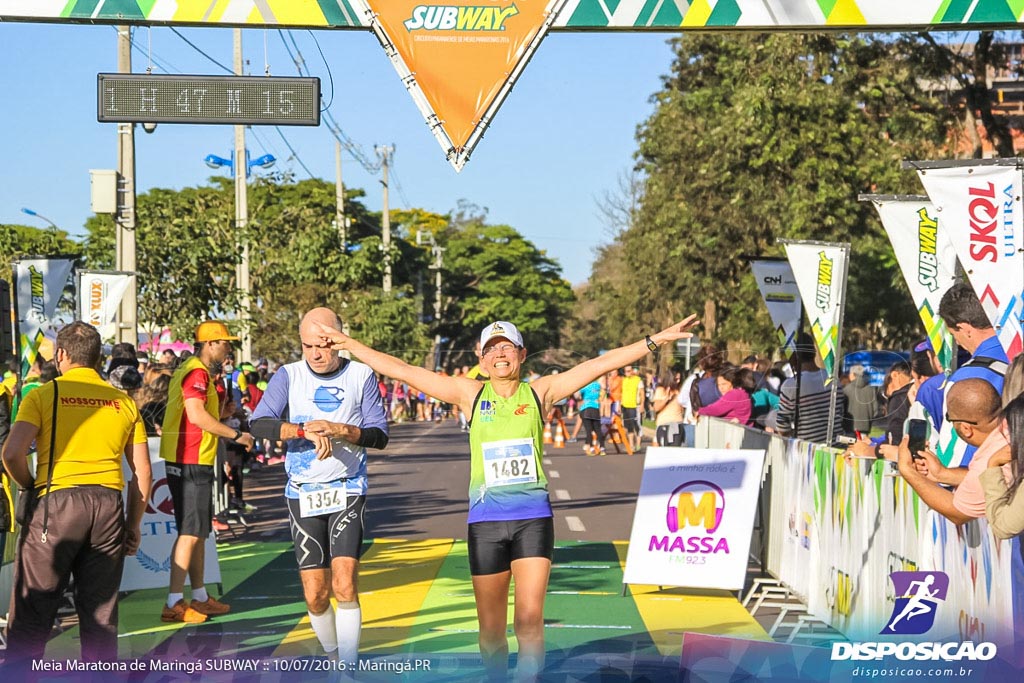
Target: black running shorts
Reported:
[(318, 539), (494, 545), (192, 492)]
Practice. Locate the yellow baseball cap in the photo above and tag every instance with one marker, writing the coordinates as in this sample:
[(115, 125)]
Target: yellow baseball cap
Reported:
[(213, 330)]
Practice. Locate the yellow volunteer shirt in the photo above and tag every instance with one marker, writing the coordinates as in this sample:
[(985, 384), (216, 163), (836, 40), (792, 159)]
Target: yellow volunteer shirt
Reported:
[(95, 423), (630, 386)]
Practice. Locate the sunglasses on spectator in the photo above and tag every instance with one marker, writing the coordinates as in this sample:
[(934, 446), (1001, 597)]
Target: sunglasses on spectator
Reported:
[(966, 422), (923, 346)]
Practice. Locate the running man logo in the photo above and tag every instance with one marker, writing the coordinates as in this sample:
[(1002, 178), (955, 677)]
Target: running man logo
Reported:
[(927, 255), (823, 294), (454, 18), (697, 503), (917, 596)]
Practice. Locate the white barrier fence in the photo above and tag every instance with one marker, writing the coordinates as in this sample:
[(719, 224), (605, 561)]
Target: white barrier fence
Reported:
[(836, 530)]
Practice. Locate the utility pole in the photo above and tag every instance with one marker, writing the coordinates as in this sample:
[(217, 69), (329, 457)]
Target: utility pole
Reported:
[(124, 221), (385, 152), (438, 263), (241, 169), (438, 253), (339, 197)]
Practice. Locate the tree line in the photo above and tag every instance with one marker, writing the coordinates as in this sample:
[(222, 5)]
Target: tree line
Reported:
[(752, 138)]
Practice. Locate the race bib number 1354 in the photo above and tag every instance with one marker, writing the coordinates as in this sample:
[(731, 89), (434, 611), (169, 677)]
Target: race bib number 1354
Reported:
[(322, 502)]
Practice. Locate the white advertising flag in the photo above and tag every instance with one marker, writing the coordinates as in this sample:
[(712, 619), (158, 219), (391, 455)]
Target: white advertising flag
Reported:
[(39, 284), (927, 259), (99, 295), (694, 518), (980, 209), (820, 272), (778, 289)]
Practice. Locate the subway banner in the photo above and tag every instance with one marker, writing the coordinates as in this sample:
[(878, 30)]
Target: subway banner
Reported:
[(608, 15), (99, 295), (927, 259), (820, 272), (980, 209), (38, 284), (459, 60), (694, 518), (778, 288)]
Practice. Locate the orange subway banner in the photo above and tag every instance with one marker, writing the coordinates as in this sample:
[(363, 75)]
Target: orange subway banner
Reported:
[(462, 58)]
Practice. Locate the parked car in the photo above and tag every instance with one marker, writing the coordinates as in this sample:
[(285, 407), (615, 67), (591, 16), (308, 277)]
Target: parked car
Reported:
[(876, 363)]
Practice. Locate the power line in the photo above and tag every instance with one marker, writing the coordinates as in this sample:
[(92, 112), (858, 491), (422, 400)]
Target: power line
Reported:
[(295, 155), (166, 66), (303, 70), (398, 186), (199, 50), (327, 66)]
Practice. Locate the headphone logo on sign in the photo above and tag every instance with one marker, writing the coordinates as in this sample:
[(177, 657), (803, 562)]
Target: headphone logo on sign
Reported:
[(696, 503)]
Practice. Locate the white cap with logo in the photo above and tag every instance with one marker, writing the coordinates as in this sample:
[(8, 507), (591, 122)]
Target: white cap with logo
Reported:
[(503, 330)]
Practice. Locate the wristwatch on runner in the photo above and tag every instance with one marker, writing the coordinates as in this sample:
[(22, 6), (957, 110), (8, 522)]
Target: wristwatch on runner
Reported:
[(301, 433)]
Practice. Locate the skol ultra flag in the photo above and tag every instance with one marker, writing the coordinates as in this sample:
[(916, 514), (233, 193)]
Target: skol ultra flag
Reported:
[(980, 209)]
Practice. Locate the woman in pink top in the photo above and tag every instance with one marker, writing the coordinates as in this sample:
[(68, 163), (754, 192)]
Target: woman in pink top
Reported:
[(735, 385)]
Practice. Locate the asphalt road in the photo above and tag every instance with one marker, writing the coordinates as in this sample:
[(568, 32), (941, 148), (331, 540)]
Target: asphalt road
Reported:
[(419, 484)]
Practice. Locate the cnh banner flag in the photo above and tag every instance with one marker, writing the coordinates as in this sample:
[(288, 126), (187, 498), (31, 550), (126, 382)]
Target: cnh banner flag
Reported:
[(927, 259), (778, 288), (980, 209), (100, 294), (459, 58), (820, 272), (38, 284)]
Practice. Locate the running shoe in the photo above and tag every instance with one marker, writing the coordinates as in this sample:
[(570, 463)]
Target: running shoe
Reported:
[(211, 607), (182, 613)]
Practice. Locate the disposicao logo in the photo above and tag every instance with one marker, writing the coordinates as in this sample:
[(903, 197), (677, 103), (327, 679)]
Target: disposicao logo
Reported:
[(459, 18), (918, 595)]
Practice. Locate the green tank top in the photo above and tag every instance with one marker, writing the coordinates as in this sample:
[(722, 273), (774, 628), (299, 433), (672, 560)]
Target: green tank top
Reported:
[(506, 442)]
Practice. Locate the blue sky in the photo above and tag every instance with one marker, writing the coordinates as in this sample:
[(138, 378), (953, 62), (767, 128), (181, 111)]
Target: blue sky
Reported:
[(562, 138)]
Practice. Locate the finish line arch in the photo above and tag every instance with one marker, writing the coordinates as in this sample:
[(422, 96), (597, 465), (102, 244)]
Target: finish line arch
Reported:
[(459, 59)]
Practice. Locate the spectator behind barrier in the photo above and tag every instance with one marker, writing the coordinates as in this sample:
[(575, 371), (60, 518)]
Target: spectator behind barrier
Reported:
[(972, 407)]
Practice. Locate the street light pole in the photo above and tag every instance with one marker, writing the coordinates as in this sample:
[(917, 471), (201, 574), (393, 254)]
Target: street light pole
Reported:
[(36, 214), (124, 221), (241, 170)]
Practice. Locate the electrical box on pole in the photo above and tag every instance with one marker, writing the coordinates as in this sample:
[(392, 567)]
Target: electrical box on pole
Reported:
[(103, 190)]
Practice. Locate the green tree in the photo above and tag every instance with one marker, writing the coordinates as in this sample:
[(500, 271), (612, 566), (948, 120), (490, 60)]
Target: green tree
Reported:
[(17, 241), (494, 273), (760, 137), (188, 248)]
